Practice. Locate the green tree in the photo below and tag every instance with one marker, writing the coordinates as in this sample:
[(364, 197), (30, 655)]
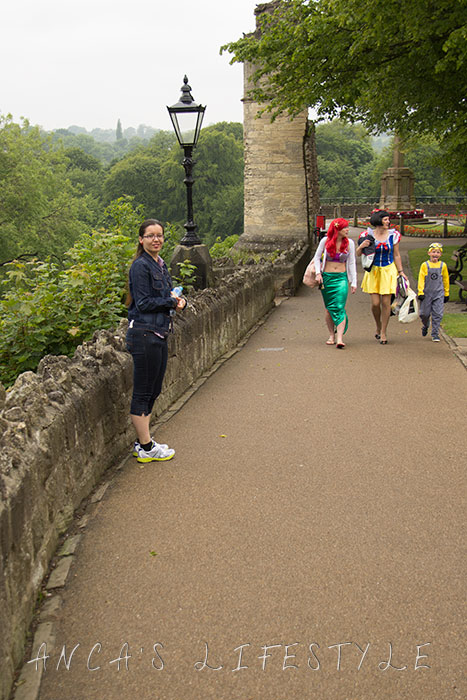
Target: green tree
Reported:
[(233, 128), (225, 215), (138, 174), (337, 180), (345, 159), (41, 210), (86, 174), (395, 65), (153, 175), (81, 160), (424, 156)]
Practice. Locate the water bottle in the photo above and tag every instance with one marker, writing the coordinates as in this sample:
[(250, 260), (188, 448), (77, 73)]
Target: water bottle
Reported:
[(177, 291)]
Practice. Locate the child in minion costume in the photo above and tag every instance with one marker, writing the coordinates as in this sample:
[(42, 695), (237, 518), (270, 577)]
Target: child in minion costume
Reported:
[(433, 290)]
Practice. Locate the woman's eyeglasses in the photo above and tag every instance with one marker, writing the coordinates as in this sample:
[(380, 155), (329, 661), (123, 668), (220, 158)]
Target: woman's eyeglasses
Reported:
[(151, 236)]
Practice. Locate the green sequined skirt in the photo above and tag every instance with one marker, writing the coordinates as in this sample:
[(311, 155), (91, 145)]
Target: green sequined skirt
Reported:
[(335, 290)]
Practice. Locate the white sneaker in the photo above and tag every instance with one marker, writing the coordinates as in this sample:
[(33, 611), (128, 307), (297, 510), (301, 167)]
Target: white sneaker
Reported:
[(435, 339), (156, 454), (136, 446)]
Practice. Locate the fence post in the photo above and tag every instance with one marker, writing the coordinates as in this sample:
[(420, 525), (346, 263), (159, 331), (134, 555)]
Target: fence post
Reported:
[(355, 218), (445, 227), (401, 225)]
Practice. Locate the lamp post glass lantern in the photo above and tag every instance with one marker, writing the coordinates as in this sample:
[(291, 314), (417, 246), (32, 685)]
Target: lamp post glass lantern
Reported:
[(187, 118)]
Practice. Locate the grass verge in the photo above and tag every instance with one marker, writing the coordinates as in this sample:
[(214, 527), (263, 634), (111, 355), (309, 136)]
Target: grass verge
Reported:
[(455, 325)]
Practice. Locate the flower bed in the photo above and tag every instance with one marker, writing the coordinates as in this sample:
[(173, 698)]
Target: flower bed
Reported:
[(412, 214), (456, 217), (409, 214), (436, 232)]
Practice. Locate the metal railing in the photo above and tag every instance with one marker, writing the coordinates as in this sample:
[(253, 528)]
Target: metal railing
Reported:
[(423, 199)]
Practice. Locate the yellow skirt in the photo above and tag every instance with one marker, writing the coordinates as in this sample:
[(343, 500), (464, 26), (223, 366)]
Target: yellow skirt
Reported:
[(380, 280)]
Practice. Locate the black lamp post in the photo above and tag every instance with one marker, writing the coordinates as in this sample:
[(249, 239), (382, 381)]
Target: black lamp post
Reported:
[(187, 118)]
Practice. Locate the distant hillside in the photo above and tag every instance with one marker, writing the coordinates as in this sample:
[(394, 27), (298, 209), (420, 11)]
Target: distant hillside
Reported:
[(103, 144), (142, 132)]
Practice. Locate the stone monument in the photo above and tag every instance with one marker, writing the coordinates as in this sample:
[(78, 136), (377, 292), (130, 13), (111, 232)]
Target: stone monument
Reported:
[(397, 184)]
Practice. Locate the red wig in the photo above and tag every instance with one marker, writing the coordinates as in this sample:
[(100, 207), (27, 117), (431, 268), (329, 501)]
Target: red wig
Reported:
[(335, 226)]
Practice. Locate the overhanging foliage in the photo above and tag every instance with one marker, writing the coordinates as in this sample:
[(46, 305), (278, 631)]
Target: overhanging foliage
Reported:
[(395, 65)]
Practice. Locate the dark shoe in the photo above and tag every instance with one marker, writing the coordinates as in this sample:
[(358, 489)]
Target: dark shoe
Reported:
[(377, 336), (424, 330), (383, 342)]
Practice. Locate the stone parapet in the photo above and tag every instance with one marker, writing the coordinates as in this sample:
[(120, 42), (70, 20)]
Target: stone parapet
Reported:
[(62, 427), (288, 268)]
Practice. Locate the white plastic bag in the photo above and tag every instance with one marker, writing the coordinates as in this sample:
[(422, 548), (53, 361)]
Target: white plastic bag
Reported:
[(401, 295), (408, 312)]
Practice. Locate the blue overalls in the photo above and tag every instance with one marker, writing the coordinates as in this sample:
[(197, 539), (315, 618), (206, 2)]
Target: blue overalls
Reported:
[(433, 303)]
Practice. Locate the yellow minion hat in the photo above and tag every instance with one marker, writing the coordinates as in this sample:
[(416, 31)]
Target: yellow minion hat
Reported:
[(435, 246)]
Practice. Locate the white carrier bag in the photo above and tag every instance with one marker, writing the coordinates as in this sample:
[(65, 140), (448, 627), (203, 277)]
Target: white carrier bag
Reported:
[(408, 311)]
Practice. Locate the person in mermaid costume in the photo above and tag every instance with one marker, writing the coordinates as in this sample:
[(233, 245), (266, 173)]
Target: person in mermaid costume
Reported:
[(336, 269)]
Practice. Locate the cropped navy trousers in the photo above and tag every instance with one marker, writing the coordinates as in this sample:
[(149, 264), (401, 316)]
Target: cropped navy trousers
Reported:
[(149, 353)]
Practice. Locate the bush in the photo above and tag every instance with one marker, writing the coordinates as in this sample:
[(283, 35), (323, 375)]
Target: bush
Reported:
[(48, 310), (220, 248)]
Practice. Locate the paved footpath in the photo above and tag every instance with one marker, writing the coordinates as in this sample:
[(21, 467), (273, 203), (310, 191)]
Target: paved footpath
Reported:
[(307, 537)]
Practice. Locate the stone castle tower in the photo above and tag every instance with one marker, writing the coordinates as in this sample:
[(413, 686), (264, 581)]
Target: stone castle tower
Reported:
[(281, 192)]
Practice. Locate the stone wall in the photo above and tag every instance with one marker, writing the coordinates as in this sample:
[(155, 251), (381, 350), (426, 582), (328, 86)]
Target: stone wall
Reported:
[(62, 427), (433, 209)]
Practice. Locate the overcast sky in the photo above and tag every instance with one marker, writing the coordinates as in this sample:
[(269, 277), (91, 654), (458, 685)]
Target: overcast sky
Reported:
[(92, 62)]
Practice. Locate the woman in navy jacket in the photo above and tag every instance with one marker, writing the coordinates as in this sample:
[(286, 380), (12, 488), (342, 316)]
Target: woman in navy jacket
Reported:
[(152, 302)]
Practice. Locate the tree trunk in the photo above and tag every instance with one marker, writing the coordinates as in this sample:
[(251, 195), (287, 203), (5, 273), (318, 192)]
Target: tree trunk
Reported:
[(311, 175)]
